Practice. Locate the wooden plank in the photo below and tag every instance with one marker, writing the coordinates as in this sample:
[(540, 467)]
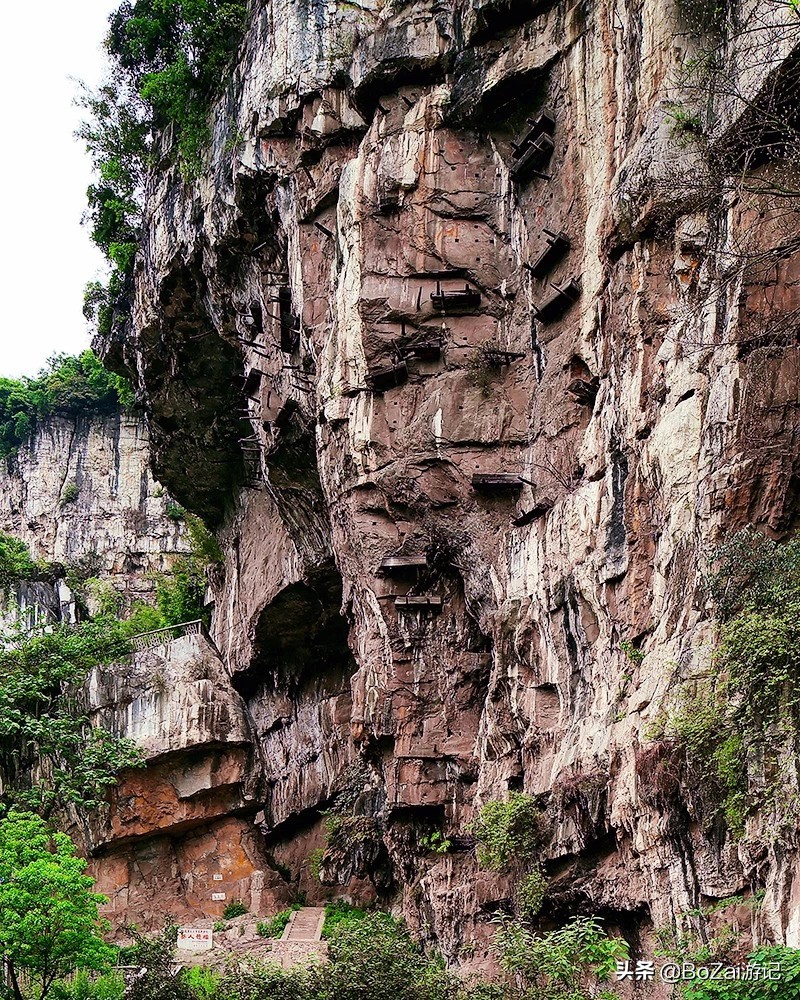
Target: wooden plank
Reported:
[(491, 482), (534, 157), (383, 379), (557, 304), (558, 244), (428, 602), (404, 562)]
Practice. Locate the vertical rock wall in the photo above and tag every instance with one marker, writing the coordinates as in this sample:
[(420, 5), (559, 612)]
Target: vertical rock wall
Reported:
[(322, 388), (81, 494)]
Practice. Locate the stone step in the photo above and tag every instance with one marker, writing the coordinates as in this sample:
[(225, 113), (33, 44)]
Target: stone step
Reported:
[(305, 924)]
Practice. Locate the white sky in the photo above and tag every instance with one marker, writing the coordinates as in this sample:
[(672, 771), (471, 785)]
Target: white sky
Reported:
[(46, 256)]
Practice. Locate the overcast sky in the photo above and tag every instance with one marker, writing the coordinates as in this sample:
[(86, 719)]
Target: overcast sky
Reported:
[(46, 257)]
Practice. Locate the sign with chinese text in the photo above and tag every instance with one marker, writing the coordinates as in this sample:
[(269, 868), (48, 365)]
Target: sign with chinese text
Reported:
[(195, 938)]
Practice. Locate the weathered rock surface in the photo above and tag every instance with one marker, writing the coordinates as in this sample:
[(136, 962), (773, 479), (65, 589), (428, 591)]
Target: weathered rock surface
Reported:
[(298, 278), (81, 493), (187, 815)]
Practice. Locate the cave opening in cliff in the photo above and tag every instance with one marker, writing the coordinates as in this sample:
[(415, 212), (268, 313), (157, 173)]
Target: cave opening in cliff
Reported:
[(300, 640)]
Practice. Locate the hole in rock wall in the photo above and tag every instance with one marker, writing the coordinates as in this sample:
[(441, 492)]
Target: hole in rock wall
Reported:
[(301, 638), (502, 108), (499, 16), (616, 533), (768, 130)]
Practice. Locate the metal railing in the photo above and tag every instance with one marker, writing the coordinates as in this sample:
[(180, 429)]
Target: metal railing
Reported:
[(161, 636)]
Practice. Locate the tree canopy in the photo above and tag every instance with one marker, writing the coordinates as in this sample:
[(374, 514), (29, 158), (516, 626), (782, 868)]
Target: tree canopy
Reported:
[(50, 754), (67, 385), (49, 921)]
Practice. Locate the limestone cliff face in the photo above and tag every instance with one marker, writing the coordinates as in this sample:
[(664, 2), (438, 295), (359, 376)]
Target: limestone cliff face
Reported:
[(381, 326), (191, 808), (81, 493)]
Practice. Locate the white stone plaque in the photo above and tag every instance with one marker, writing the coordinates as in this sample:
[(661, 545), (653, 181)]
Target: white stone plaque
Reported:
[(195, 938), (217, 896), (217, 878)]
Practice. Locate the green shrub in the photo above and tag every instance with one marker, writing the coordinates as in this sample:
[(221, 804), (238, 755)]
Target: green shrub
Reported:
[(634, 654), (276, 924), (715, 766), (564, 964), (751, 700), (258, 981), (180, 595), (16, 563), (375, 957), (435, 842), (235, 908), (205, 548), (685, 125), (41, 724), (203, 983), (70, 493), (510, 832), (530, 892), (174, 511), (107, 599), (785, 988), (339, 914), (315, 860), (86, 987)]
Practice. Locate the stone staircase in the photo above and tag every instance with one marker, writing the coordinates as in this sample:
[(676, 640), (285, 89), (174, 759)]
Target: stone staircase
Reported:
[(305, 924), (301, 941)]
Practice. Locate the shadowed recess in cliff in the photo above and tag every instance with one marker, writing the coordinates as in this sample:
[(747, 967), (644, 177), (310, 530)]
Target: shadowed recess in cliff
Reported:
[(495, 17), (502, 106), (191, 381), (301, 638)]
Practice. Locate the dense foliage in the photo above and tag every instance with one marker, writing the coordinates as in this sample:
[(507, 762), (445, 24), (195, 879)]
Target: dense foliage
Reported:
[(784, 960), (570, 963), (49, 922), (275, 925), (67, 385), (340, 914), (168, 58), (17, 564), (509, 833), (50, 754), (750, 705), (370, 956), (757, 583), (180, 593)]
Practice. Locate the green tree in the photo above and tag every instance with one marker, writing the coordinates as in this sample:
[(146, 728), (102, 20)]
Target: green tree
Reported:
[(43, 729), (509, 833), (17, 564), (168, 59), (49, 923), (778, 958)]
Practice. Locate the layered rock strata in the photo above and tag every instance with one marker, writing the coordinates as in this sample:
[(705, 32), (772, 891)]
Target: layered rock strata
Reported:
[(470, 357), (81, 494)]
